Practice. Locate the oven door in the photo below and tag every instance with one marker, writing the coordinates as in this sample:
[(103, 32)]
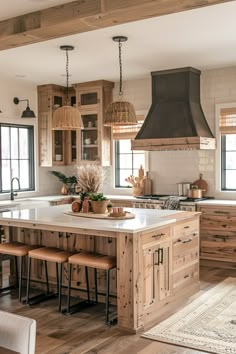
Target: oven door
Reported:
[(187, 207)]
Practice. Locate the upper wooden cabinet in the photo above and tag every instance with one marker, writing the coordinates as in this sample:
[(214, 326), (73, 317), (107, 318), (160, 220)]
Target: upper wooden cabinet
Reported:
[(91, 144), (94, 141), (52, 144)]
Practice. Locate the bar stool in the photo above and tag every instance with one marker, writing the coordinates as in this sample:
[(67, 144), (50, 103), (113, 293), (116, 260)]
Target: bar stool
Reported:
[(48, 254), (18, 250), (96, 261)]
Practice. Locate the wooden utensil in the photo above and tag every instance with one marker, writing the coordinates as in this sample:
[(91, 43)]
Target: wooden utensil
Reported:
[(202, 184)]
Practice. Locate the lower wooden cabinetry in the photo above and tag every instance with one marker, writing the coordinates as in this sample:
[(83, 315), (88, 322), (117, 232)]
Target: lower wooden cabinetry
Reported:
[(218, 233), (169, 259)]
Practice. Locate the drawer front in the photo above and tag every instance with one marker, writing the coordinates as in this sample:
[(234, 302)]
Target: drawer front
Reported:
[(186, 228), (185, 277), (185, 251), (162, 234), (218, 210), (218, 222), (219, 245)]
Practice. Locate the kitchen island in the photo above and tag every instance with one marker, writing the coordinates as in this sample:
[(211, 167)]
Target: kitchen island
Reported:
[(157, 255)]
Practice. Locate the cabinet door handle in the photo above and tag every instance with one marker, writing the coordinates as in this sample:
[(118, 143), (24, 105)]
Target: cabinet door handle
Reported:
[(195, 233), (186, 241), (186, 276), (186, 227), (221, 212), (158, 235), (161, 255)]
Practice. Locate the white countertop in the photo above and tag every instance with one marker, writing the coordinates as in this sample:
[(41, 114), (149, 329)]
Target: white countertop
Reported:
[(54, 216), (217, 202)]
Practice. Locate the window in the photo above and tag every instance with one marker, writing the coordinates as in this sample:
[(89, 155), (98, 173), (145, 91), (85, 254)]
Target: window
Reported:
[(16, 156), (228, 148), (127, 162)]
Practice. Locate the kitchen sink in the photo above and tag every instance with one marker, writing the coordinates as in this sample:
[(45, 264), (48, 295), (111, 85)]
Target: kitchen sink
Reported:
[(8, 207)]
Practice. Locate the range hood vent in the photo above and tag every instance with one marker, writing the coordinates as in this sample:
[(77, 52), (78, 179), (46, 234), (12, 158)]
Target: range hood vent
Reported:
[(175, 120)]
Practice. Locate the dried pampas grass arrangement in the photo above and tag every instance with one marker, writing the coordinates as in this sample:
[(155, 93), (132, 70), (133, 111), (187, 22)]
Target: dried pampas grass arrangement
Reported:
[(89, 178)]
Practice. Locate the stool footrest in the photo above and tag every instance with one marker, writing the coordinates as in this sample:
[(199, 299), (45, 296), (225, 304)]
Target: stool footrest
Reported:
[(78, 307), (40, 298), (7, 289)]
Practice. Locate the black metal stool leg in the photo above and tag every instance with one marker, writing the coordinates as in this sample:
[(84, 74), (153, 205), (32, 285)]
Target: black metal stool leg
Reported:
[(69, 286), (28, 280), (20, 278), (57, 278), (46, 273), (96, 285), (107, 294), (87, 282), (17, 274), (59, 287)]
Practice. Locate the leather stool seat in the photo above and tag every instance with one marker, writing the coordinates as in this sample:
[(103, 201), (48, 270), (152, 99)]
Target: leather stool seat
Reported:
[(96, 261), (50, 254), (16, 249), (93, 260)]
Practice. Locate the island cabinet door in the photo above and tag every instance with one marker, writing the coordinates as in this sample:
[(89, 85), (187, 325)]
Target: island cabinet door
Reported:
[(156, 274)]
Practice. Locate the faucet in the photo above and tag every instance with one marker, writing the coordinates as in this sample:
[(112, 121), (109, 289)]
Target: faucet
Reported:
[(12, 192)]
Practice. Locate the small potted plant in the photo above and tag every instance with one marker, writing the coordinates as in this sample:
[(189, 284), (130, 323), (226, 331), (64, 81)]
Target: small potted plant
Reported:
[(99, 203), (109, 208), (68, 182)]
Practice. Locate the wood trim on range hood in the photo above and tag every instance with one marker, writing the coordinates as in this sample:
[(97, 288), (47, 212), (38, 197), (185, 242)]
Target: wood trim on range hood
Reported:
[(86, 15), (188, 143)]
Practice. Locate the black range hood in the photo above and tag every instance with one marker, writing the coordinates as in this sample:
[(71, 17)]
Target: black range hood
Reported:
[(175, 120)]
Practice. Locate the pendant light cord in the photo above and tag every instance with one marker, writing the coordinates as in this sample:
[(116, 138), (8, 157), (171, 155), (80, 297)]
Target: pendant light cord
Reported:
[(120, 65), (67, 76)]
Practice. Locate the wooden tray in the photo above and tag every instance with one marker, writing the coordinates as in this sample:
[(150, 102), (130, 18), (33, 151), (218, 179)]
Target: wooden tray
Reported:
[(101, 216)]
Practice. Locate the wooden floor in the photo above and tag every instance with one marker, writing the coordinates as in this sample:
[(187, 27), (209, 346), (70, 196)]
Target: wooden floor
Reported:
[(85, 332)]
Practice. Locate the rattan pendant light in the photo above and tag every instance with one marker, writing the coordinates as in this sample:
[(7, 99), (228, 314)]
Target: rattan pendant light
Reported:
[(67, 117), (120, 112)]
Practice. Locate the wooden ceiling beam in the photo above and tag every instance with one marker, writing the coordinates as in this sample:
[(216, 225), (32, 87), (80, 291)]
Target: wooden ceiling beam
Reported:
[(86, 15)]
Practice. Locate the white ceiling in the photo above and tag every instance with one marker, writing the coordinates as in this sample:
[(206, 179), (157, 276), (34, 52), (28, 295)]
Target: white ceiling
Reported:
[(203, 38)]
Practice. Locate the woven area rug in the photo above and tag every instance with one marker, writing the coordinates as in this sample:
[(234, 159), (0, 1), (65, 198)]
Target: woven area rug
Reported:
[(208, 323)]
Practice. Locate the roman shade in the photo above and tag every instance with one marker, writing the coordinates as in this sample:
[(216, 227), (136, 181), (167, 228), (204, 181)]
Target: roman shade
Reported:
[(228, 120)]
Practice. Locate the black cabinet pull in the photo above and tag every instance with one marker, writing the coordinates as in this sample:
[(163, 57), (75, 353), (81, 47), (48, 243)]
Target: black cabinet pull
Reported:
[(158, 235), (161, 255), (186, 227)]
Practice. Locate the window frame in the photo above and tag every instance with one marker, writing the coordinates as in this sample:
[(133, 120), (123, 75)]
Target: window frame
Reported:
[(220, 192), (116, 160), (31, 151)]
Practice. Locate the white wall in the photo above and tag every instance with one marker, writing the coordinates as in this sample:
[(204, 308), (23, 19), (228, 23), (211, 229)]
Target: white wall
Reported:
[(170, 167), (166, 167)]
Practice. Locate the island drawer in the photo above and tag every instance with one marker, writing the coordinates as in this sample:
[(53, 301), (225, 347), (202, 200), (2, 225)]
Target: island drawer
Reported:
[(185, 251), (162, 234), (185, 277), (186, 228)]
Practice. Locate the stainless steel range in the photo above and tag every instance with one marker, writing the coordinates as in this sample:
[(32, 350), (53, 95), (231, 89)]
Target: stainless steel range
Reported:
[(156, 201)]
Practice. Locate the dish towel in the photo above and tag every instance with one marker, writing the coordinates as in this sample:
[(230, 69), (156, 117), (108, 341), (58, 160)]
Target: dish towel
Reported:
[(171, 203)]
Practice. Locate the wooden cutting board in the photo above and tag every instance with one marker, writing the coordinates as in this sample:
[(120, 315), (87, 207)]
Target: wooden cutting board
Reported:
[(202, 184)]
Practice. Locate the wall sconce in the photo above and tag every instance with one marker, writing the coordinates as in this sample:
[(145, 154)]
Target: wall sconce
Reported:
[(27, 113)]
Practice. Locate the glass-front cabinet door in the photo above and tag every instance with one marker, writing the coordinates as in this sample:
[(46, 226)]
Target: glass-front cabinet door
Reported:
[(58, 147), (89, 137)]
